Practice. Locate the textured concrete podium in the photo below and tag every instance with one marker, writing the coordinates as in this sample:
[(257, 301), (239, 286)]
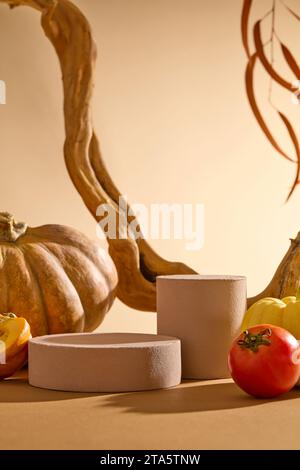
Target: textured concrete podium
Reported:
[(205, 313), (104, 362)]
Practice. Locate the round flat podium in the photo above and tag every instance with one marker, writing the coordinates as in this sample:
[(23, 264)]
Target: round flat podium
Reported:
[(104, 362)]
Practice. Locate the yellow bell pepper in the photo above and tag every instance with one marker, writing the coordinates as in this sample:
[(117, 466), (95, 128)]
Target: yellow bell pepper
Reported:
[(284, 313)]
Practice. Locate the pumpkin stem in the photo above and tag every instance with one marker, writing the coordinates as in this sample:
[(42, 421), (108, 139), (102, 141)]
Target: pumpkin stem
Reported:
[(10, 229)]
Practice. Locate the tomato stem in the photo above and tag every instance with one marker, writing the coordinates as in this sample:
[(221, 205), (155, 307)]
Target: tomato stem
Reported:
[(252, 341)]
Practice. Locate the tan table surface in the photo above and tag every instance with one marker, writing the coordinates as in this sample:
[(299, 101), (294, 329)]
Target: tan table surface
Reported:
[(195, 415)]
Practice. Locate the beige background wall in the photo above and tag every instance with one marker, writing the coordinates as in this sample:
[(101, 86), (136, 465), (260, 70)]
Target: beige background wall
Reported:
[(171, 111)]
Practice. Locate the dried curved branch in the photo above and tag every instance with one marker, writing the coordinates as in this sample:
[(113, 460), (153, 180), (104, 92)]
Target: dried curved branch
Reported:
[(262, 56), (244, 25), (291, 11), (268, 65), (249, 76), (137, 263), (291, 61), (294, 139)]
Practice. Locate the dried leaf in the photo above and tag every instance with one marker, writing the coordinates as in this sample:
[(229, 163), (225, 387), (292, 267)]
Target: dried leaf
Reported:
[(251, 97), (292, 12), (244, 25), (290, 60), (294, 139), (265, 62)]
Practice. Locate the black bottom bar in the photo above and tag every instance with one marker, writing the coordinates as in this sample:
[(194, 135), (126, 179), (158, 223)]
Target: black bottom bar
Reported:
[(135, 459)]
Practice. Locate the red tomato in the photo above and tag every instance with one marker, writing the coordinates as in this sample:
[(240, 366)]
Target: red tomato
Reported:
[(264, 361)]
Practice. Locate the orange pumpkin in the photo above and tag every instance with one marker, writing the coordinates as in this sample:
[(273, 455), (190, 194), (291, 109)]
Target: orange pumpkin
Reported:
[(54, 276)]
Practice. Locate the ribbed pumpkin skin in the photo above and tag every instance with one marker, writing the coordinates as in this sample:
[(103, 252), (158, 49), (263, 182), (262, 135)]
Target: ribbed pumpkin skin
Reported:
[(56, 278)]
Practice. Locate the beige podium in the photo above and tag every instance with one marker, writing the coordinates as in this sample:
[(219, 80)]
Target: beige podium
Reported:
[(206, 313), (104, 362)]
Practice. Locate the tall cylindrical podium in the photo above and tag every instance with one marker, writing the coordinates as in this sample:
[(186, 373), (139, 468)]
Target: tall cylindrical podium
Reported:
[(205, 313)]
